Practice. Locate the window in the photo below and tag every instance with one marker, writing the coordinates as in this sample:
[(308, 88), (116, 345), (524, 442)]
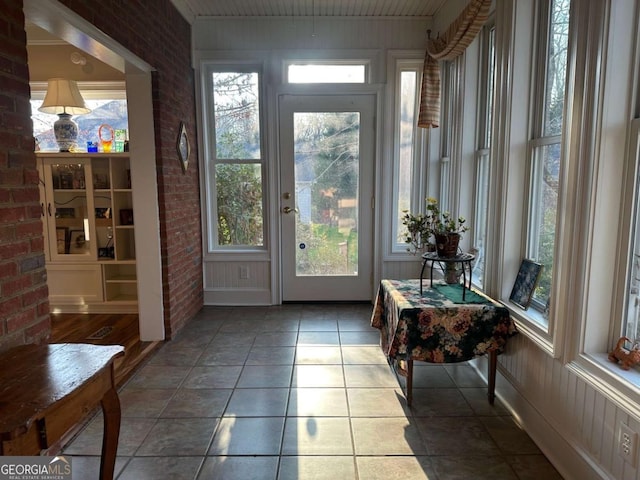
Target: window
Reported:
[(451, 94), (107, 106), (545, 146), (408, 191), (235, 171), (631, 327), (483, 152), (325, 72)]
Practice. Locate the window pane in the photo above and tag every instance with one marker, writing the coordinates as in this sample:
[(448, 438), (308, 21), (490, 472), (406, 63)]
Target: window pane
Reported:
[(239, 201), (110, 111), (480, 221), (237, 115), (544, 212), (327, 158), (407, 120), (491, 80), (326, 73), (631, 326), (556, 67)]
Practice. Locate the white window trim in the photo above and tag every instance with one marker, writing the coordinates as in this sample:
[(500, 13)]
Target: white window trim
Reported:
[(396, 61), (211, 249), (482, 157), (544, 332), (355, 63)]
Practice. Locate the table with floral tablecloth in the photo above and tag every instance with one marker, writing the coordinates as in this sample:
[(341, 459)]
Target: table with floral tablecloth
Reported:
[(438, 326)]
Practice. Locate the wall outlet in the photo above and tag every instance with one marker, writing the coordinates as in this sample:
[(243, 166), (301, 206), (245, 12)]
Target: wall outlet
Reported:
[(627, 444), (244, 272)]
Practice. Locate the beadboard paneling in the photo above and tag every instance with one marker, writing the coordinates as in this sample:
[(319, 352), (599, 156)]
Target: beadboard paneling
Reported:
[(304, 33)]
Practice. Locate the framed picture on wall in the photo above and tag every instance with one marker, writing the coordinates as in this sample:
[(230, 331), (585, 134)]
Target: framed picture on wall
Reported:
[(525, 283)]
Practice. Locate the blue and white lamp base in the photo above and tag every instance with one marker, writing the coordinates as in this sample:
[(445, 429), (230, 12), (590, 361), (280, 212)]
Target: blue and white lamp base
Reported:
[(66, 132)]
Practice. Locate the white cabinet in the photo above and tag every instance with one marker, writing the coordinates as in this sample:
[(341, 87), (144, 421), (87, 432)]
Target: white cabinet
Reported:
[(89, 231)]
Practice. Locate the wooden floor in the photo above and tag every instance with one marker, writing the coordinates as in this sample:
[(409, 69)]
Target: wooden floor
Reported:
[(103, 329)]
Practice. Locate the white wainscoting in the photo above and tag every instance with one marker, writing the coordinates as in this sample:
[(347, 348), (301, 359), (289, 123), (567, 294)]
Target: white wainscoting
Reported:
[(237, 283), (574, 425)]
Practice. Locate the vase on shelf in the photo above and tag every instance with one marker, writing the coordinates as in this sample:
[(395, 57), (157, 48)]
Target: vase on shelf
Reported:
[(447, 244)]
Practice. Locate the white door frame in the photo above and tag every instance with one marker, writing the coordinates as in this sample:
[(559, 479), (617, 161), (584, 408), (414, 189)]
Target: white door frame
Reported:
[(274, 172), (69, 26)]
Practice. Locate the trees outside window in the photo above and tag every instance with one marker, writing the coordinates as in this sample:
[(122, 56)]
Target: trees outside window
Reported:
[(237, 159), (546, 144)]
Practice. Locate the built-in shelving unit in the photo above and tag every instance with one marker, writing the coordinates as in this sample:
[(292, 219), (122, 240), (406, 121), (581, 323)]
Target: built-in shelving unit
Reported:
[(87, 212)]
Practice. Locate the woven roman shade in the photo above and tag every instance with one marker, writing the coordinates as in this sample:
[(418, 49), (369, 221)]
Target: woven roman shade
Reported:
[(447, 47)]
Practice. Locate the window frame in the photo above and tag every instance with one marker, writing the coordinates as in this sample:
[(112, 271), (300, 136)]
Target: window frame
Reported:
[(484, 125), (537, 317), (366, 64), (417, 194), (90, 90), (210, 212)]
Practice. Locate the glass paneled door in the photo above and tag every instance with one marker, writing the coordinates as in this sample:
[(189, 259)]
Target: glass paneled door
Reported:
[(326, 196)]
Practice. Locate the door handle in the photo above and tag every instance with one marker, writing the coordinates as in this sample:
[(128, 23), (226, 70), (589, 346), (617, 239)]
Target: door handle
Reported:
[(289, 210)]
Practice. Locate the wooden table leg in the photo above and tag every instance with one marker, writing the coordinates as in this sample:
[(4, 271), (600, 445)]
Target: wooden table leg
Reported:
[(493, 363), (409, 382), (111, 412)]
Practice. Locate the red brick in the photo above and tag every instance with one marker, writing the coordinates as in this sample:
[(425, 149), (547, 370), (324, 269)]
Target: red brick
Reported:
[(34, 297), (38, 332), (13, 214), (29, 229), (13, 250), (21, 320), (11, 176), (25, 195), (15, 286), (10, 307)]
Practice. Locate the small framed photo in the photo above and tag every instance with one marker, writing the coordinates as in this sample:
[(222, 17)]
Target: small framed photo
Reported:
[(525, 283), (126, 216), (77, 242), (62, 240)]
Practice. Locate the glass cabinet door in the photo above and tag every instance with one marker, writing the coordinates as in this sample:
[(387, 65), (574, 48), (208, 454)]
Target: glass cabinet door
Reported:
[(67, 210)]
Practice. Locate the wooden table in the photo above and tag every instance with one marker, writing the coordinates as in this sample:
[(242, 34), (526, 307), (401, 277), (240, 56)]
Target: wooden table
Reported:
[(439, 324), (45, 390)]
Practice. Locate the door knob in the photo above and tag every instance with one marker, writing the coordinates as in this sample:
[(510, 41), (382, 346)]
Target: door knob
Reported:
[(289, 210)]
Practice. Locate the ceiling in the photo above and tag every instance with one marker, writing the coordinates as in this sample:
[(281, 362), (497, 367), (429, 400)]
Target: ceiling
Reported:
[(50, 56), (192, 9)]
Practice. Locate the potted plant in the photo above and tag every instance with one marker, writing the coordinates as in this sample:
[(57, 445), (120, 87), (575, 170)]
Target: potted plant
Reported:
[(433, 230), (446, 229), (419, 232)]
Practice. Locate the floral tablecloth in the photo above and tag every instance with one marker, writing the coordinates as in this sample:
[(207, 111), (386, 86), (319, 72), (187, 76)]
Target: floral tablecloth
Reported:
[(437, 326)]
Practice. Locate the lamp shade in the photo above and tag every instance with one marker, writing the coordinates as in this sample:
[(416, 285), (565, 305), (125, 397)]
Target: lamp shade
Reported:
[(63, 96)]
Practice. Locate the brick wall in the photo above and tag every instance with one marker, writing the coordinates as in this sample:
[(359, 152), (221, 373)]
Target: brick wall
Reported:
[(155, 32), (24, 305)]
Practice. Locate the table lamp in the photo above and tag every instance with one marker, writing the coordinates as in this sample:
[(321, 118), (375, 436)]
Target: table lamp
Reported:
[(63, 99)]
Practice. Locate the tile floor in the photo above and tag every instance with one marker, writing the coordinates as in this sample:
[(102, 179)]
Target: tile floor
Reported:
[(303, 392)]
